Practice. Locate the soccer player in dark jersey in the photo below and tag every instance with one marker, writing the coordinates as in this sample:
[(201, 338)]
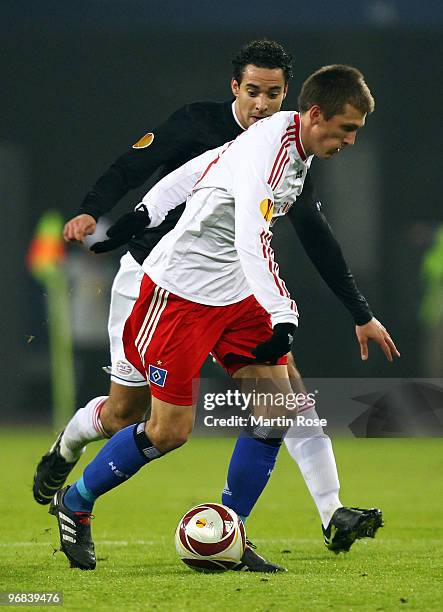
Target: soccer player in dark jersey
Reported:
[(259, 84)]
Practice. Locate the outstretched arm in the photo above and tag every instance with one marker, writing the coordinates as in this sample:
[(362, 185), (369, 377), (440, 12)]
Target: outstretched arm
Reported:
[(324, 251), (326, 254)]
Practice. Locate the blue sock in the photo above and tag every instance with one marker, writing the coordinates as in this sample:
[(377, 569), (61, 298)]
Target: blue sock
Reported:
[(78, 498), (119, 459), (251, 466)]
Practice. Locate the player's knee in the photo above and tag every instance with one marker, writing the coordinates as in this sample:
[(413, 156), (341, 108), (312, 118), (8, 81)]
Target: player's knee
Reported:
[(169, 438)]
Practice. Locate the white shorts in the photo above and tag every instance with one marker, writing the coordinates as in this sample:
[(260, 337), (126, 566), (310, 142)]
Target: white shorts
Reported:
[(124, 293)]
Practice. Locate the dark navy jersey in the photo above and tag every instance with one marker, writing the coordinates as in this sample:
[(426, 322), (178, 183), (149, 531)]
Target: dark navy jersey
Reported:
[(190, 131)]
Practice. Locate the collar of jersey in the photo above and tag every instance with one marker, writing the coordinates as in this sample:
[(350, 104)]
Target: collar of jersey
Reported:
[(298, 141), (235, 117)]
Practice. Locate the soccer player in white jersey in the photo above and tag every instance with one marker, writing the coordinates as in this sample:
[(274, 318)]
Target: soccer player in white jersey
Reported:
[(212, 286)]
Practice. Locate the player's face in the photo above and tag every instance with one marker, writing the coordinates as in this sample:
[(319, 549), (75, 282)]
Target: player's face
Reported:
[(260, 93), (330, 136)]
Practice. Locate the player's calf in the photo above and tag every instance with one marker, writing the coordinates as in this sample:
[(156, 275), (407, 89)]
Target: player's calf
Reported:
[(124, 406), (55, 466)]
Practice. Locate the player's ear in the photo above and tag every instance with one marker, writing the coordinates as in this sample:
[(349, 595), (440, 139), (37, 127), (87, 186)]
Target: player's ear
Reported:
[(285, 91), (235, 87), (315, 114)]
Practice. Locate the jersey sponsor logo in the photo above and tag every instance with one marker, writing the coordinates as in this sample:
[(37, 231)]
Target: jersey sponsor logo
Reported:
[(157, 376), (124, 368), (267, 209), (144, 141)]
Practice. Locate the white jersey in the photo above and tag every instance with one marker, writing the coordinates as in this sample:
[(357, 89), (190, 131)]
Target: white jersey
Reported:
[(219, 252)]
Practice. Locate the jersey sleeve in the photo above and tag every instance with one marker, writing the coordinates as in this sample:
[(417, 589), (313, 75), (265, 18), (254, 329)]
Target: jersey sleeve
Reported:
[(324, 251), (167, 144), (253, 213), (173, 189)]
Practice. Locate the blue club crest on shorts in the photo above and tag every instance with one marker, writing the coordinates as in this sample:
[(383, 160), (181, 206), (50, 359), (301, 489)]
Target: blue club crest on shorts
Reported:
[(157, 376)]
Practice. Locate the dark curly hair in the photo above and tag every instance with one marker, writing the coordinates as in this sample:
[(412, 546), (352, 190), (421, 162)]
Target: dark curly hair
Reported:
[(263, 54)]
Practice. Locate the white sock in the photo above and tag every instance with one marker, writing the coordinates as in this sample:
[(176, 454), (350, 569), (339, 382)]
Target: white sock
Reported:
[(84, 427), (315, 458)]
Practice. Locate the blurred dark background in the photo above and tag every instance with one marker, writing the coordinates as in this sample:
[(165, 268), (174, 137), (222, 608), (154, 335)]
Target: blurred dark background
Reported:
[(82, 82)]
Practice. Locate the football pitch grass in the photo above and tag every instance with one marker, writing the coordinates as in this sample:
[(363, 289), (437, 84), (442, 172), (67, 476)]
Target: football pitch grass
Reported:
[(137, 568)]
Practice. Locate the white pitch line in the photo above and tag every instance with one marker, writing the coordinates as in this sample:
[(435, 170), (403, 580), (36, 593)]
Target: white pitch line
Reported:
[(282, 541), (101, 542), (154, 542)]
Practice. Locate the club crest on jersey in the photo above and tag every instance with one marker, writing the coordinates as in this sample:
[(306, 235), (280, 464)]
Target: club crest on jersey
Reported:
[(144, 141), (267, 209), (157, 376)]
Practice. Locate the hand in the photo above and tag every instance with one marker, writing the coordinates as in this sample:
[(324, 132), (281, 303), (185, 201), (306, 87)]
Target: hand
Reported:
[(131, 225), (375, 331), (278, 345), (79, 227)]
